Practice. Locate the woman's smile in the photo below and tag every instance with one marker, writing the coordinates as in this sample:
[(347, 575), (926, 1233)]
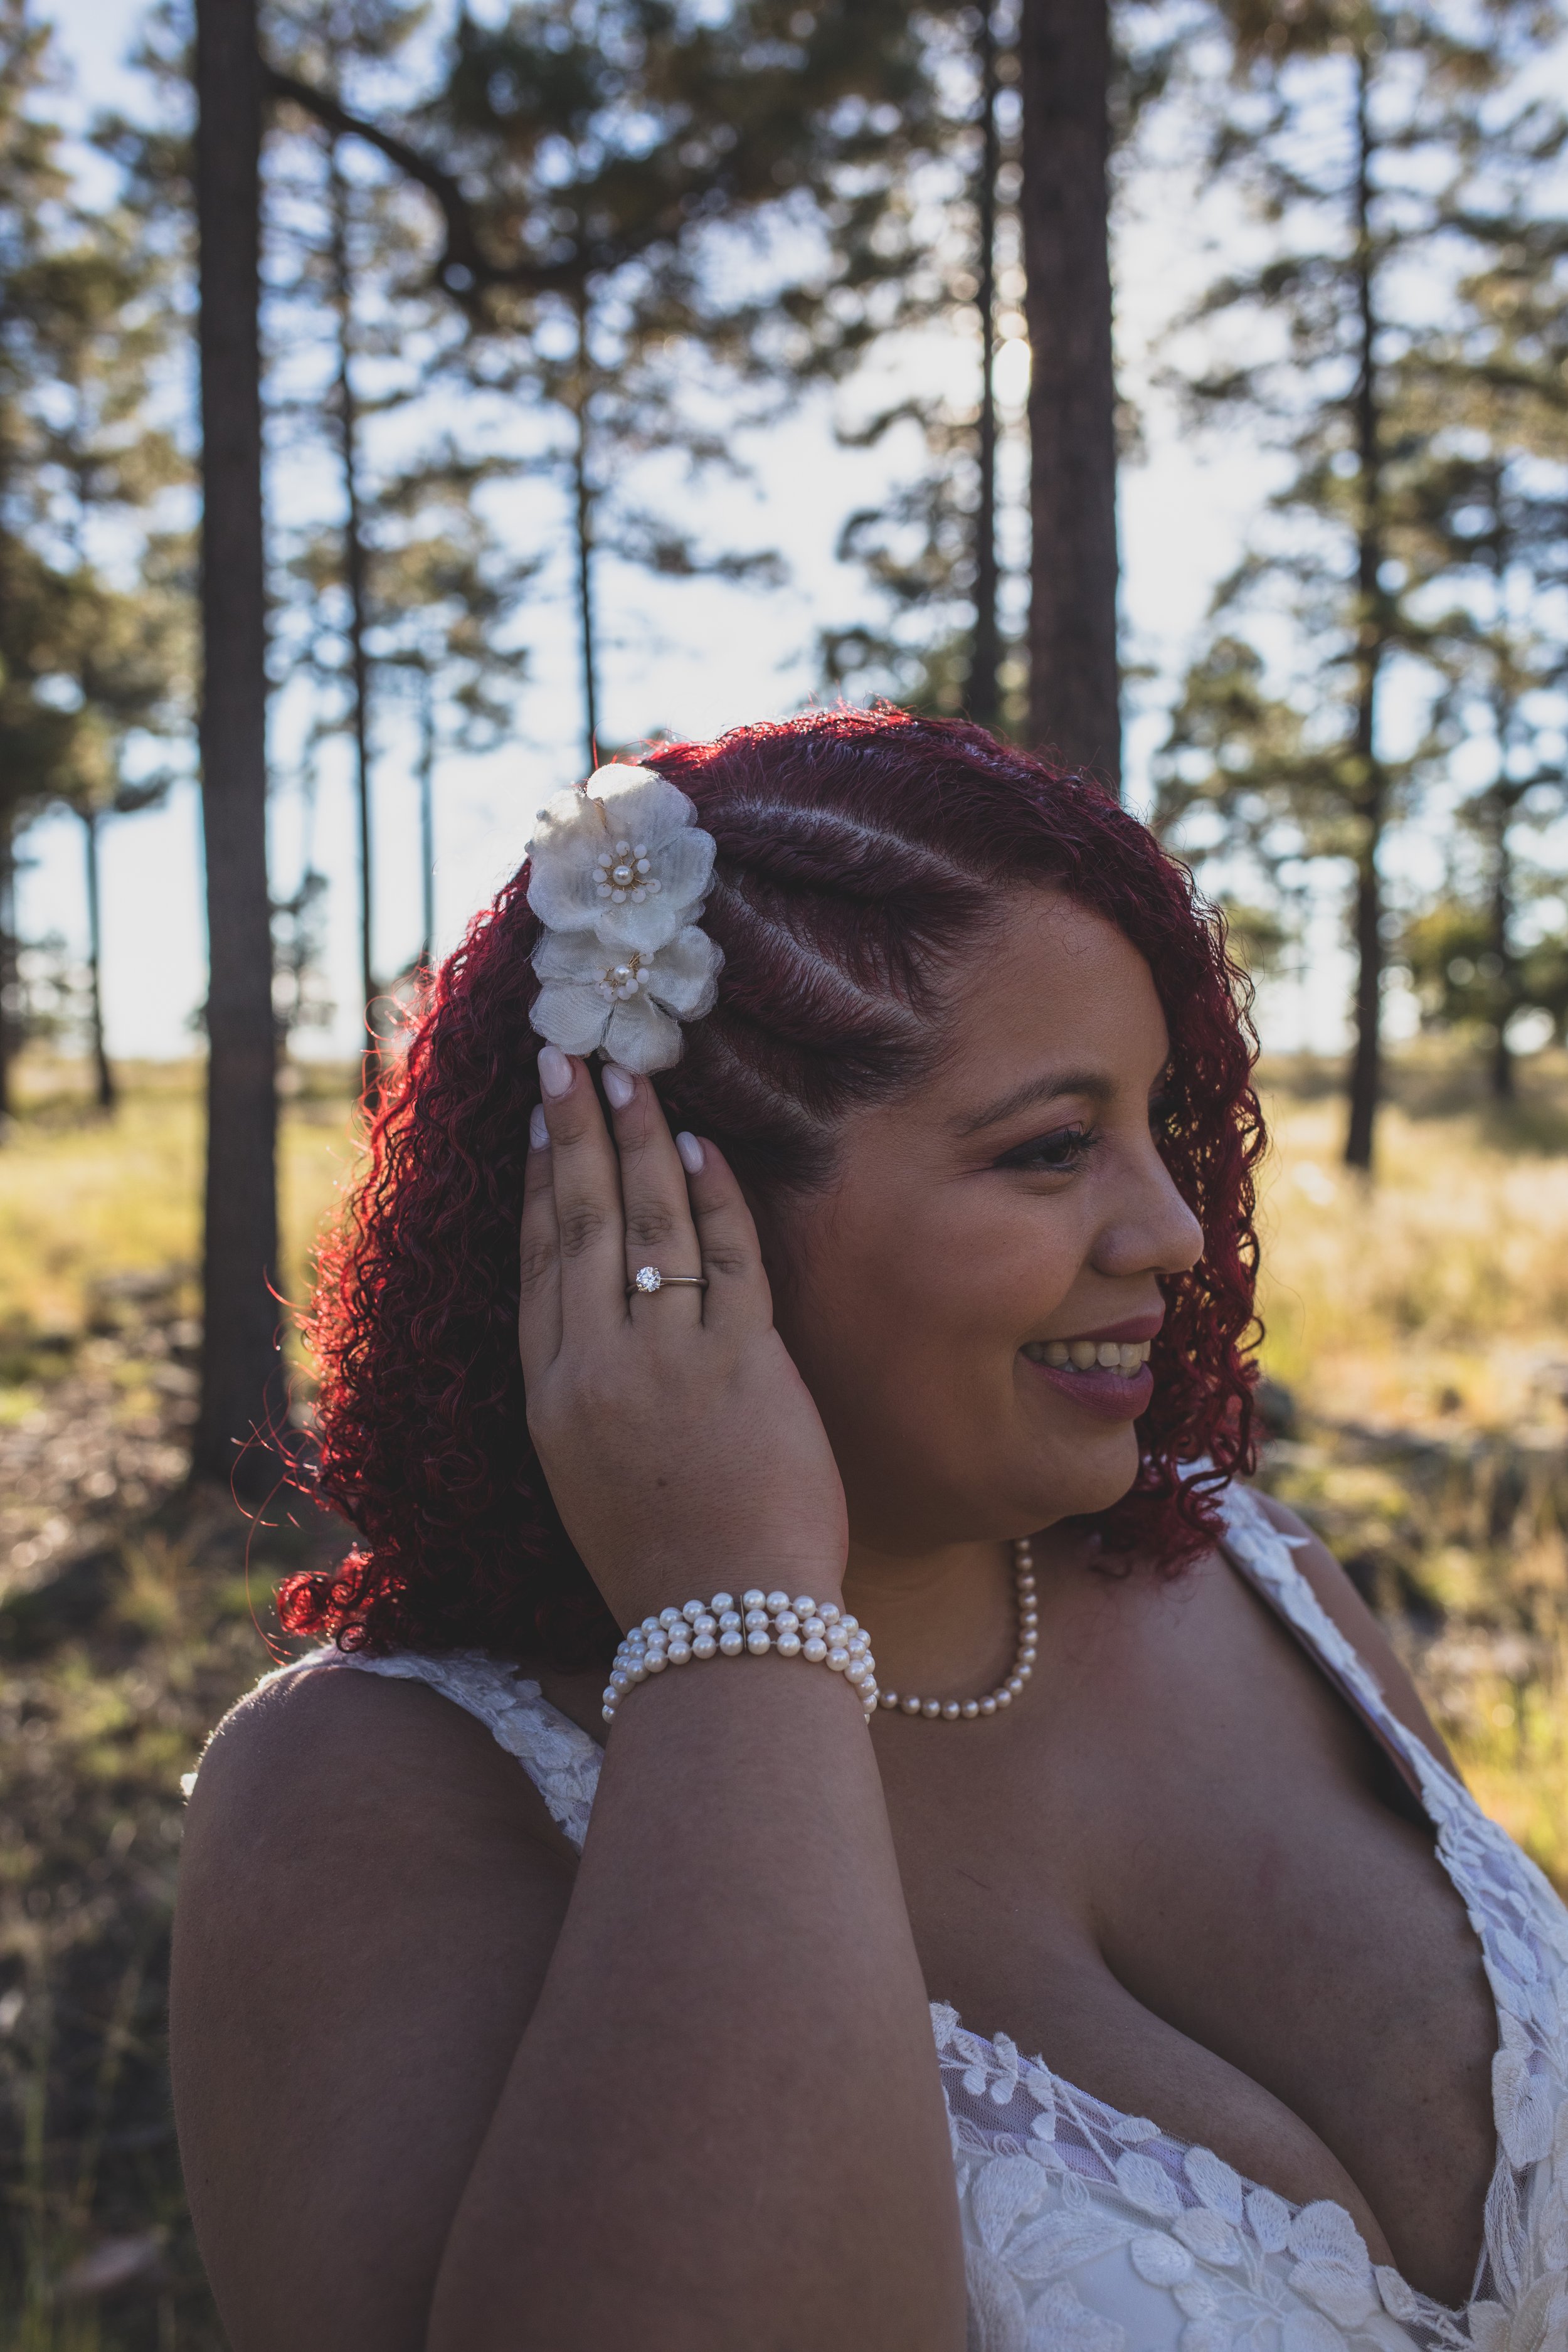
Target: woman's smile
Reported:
[(1104, 1371), (1109, 1390)]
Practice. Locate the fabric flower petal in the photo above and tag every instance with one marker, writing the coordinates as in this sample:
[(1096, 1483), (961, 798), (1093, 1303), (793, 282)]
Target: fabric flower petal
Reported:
[(638, 804), (1346, 2294), (570, 1016), (572, 955), (1160, 2260), (1060, 2322), (1005, 2190), (682, 865), (996, 2306), (618, 871), (1208, 2235), (1145, 2183), (685, 973), (641, 1038), (1325, 2232), (1270, 2217), (571, 886), (1220, 2188)]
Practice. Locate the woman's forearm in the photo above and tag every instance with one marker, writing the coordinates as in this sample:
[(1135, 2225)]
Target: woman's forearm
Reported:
[(723, 2126)]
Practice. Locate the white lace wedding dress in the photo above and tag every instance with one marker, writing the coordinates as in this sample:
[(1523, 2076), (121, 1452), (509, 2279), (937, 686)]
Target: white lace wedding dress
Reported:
[(1090, 2230)]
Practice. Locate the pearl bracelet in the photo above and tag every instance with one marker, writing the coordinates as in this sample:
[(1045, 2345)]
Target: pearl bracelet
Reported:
[(823, 1636)]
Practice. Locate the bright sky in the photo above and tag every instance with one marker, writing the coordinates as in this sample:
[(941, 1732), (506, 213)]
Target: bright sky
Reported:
[(695, 659)]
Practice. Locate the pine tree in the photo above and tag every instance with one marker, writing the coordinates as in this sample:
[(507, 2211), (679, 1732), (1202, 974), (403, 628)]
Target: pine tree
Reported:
[(1491, 397), (575, 242), (348, 263), (99, 466), (242, 1388), (87, 661), (1066, 55), (35, 732), (1347, 128)]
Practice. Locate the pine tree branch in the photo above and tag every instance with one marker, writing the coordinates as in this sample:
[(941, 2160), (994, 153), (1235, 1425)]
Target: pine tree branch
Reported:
[(463, 251)]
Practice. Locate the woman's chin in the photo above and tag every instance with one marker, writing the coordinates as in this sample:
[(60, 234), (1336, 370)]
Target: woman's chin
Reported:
[(1089, 1477)]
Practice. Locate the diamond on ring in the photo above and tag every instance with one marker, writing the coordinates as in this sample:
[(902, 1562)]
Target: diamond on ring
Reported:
[(648, 1278)]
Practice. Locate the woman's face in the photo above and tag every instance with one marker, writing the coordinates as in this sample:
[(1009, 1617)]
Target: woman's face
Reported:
[(1013, 1205)]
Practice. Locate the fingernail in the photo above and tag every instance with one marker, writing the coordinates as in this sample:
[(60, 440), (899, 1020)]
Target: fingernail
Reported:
[(538, 1133), (554, 1071), (692, 1153), (618, 1085)]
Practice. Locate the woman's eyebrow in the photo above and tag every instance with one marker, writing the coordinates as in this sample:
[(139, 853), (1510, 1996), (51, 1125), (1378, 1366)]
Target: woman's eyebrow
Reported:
[(1049, 1087)]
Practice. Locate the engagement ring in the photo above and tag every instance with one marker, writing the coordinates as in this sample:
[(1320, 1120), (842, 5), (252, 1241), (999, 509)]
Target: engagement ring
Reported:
[(648, 1279)]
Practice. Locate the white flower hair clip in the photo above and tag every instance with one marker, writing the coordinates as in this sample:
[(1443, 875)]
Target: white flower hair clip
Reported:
[(619, 871)]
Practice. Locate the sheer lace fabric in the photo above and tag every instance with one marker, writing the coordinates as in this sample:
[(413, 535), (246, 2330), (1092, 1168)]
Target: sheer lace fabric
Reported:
[(1090, 2230)]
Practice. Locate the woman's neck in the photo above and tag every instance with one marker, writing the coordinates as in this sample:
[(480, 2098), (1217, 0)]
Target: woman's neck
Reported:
[(942, 1624)]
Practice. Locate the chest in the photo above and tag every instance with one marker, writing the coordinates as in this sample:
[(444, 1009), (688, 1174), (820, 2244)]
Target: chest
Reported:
[(1192, 1883)]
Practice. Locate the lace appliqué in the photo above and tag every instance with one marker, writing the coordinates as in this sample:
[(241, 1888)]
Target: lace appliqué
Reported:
[(1071, 2207), (1080, 2219), (560, 1760), (1090, 2230)]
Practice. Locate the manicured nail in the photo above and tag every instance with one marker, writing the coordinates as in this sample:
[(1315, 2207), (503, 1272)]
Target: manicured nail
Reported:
[(619, 1085), (537, 1132), (692, 1153), (554, 1071)]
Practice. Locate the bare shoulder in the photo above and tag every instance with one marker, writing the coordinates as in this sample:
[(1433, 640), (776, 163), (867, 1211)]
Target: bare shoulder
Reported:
[(371, 1891), (1343, 1605)]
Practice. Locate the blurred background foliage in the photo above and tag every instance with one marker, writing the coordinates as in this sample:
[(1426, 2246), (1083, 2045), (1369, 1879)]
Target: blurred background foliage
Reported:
[(594, 248)]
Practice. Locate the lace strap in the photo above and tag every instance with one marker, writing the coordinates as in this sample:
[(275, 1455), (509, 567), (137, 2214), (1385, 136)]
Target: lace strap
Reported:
[(1262, 1554), (560, 1760)]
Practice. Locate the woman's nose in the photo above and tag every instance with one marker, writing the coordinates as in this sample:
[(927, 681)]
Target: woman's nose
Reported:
[(1154, 1231)]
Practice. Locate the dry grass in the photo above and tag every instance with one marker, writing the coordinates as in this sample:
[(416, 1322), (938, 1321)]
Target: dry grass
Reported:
[(83, 1197), (1421, 1326)]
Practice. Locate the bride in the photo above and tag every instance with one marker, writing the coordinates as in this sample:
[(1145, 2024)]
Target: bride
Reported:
[(1025, 1904)]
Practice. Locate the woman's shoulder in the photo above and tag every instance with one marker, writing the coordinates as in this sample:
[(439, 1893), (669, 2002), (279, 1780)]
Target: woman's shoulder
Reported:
[(370, 1893), (359, 1756), (1345, 1609)]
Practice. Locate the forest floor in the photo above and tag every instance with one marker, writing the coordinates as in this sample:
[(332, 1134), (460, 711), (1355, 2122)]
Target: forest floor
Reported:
[(1417, 1356)]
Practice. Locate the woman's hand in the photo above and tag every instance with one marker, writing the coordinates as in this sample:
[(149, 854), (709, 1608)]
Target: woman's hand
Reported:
[(681, 1446)]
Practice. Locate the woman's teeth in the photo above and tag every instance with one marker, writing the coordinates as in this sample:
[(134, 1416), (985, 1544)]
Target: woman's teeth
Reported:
[(1125, 1356)]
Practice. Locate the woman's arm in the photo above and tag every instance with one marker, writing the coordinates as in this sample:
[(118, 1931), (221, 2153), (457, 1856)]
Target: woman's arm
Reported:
[(370, 1893), (716, 2121), (723, 2125)]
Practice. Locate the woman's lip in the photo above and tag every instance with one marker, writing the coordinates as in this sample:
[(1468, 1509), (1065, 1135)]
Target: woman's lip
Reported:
[(1104, 1396), (1131, 1326)]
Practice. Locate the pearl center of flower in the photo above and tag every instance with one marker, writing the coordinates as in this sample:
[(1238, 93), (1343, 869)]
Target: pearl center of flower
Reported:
[(625, 871), (623, 981)]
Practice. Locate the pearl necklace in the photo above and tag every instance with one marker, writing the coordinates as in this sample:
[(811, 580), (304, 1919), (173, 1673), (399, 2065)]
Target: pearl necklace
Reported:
[(952, 1710)]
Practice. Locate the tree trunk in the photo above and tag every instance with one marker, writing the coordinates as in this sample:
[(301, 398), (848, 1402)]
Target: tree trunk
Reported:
[(585, 516), (1065, 65), (242, 1384), (1502, 804), (103, 1074), (356, 578), (1366, 1061), (10, 977), (1366, 1088), (982, 698), (427, 817)]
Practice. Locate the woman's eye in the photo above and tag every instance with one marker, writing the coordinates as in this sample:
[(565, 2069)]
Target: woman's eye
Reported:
[(1059, 1153)]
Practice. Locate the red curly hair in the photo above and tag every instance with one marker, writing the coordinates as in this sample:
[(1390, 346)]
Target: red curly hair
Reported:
[(856, 851)]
